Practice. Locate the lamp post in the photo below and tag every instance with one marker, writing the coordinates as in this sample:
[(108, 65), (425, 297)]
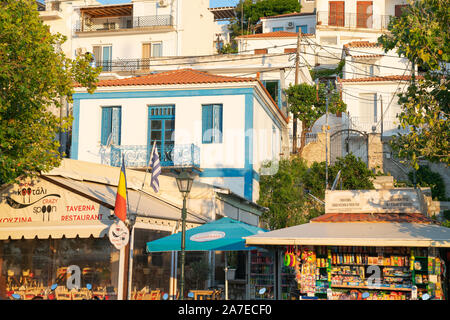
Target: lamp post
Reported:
[(184, 182)]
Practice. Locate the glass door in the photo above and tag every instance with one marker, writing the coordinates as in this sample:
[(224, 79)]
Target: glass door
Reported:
[(161, 129)]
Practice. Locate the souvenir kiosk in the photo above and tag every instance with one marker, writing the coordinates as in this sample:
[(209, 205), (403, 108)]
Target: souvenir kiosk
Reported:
[(370, 244)]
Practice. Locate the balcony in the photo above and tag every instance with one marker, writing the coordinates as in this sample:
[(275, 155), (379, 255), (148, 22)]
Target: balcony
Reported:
[(124, 65), (159, 22), (51, 11), (352, 20), (137, 156)]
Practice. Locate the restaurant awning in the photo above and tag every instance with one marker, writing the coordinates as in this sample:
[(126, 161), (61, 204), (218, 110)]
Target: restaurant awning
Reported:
[(221, 235), (356, 234), (54, 232)]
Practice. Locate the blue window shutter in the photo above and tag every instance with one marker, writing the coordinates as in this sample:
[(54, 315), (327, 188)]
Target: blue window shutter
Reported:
[(217, 123), (116, 122), (207, 117), (106, 124)]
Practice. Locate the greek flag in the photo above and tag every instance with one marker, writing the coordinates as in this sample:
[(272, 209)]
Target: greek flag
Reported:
[(156, 170)]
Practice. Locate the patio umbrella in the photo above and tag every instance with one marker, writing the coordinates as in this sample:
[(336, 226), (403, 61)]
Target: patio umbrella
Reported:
[(220, 235)]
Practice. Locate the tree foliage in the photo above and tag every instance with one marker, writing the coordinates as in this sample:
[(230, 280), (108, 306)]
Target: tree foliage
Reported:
[(308, 104), (422, 34), (34, 76), (425, 177), (285, 193), (254, 10)]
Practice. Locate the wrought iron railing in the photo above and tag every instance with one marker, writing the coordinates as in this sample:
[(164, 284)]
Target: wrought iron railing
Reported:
[(125, 22), (137, 156), (353, 20), (124, 64)]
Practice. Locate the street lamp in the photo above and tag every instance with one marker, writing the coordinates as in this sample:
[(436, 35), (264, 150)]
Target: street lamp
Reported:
[(184, 182)]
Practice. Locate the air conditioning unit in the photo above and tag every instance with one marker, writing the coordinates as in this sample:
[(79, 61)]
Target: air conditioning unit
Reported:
[(290, 25), (163, 3)]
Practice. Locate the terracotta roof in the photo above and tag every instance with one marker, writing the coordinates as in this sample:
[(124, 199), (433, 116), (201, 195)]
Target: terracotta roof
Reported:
[(175, 77), (275, 34), (292, 14), (182, 76), (361, 44), (368, 56), (376, 217), (381, 78)]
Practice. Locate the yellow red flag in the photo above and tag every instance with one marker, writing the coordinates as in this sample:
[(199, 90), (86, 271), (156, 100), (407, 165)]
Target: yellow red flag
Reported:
[(120, 209)]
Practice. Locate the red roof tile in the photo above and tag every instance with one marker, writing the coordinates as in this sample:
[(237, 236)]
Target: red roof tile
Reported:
[(183, 76), (292, 14), (381, 78), (361, 44), (376, 217)]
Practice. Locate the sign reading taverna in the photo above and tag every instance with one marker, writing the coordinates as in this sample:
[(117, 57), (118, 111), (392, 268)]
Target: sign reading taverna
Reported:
[(372, 201)]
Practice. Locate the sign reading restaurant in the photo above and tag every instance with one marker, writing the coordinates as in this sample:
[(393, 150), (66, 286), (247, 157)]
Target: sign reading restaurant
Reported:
[(372, 201), (37, 202)]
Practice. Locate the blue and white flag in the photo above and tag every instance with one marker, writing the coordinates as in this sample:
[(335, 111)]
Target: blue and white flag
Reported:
[(156, 169)]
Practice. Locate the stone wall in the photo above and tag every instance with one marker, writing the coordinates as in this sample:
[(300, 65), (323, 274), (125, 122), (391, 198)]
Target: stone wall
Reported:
[(315, 151)]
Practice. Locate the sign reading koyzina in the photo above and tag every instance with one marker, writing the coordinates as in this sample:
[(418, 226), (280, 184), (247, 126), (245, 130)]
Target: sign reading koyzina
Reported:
[(36, 201)]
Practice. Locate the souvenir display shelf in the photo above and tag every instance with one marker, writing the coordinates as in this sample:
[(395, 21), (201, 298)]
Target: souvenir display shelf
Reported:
[(372, 273), (262, 275)]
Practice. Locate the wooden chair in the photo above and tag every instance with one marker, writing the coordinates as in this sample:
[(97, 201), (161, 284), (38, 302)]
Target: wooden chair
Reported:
[(155, 295)]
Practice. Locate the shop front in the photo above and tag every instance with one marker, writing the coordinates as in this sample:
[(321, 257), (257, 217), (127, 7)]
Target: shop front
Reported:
[(361, 251), (48, 234)]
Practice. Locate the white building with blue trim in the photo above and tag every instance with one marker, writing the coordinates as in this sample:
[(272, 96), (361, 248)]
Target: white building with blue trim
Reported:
[(226, 126)]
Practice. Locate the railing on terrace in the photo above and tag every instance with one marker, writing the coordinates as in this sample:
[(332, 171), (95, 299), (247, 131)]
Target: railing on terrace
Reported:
[(391, 126), (137, 156), (353, 20), (124, 64), (125, 22)]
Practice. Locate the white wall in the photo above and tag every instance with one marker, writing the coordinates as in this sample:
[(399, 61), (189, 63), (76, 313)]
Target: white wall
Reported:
[(188, 127), (361, 111), (309, 20)]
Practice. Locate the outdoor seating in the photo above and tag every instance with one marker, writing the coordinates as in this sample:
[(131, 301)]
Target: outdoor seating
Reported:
[(203, 294), (152, 295)]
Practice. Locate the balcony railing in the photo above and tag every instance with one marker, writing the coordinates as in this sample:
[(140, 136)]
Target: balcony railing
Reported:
[(124, 64), (137, 156), (121, 23), (353, 20)]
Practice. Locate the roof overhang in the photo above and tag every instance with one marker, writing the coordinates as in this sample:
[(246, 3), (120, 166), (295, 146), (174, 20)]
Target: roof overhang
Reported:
[(108, 11), (223, 13), (357, 234)]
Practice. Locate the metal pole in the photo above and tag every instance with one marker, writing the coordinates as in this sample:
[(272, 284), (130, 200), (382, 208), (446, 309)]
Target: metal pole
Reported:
[(226, 275), (326, 145), (382, 120), (183, 245)]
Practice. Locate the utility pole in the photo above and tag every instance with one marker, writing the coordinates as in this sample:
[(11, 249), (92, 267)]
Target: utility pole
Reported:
[(326, 136), (294, 123), (381, 106)]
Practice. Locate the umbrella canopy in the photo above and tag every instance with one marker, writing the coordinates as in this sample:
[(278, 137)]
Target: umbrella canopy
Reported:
[(221, 235)]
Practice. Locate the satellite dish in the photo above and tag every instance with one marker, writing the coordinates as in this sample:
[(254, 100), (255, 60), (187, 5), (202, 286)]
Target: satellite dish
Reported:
[(262, 291)]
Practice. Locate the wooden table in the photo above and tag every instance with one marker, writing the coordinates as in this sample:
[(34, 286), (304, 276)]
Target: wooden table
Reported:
[(202, 294)]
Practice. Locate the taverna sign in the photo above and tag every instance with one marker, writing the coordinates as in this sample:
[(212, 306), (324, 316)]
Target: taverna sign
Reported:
[(373, 201)]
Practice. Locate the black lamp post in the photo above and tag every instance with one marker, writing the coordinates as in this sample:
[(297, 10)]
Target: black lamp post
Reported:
[(184, 182)]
